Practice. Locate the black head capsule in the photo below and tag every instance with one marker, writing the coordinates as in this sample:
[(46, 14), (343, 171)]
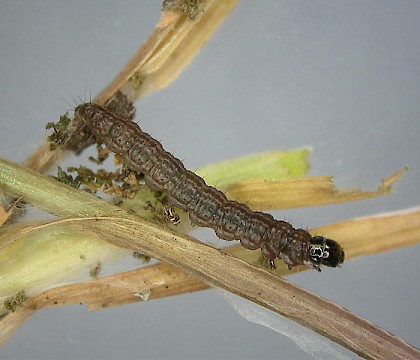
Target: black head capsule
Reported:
[(323, 251)]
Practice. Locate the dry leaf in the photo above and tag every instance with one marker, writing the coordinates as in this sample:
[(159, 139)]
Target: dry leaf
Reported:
[(301, 192)]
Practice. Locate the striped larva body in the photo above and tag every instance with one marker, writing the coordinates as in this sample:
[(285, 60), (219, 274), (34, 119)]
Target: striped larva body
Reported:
[(207, 206)]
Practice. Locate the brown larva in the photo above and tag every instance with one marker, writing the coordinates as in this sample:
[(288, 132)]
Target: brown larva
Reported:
[(206, 205)]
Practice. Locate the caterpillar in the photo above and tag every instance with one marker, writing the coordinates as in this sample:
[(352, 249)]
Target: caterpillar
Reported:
[(206, 206)]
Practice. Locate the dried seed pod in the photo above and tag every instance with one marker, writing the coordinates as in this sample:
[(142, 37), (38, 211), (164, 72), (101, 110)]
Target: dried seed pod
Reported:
[(206, 205)]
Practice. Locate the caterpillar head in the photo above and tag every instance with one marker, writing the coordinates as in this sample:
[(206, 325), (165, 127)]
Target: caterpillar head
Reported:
[(323, 251)]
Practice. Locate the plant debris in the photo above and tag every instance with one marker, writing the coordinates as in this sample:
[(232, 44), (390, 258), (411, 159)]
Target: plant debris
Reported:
[(61, 134), (11, 303), (189, 7)]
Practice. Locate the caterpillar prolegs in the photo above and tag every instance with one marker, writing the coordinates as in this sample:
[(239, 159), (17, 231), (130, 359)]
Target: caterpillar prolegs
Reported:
[(207, 206)]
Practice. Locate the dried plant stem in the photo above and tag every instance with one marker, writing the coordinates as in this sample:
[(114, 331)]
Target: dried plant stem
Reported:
[(174, 42), (158, 281), (203, 262), (123, 288), (169, 49), (360, 236), (238, 277), (373, 234)]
